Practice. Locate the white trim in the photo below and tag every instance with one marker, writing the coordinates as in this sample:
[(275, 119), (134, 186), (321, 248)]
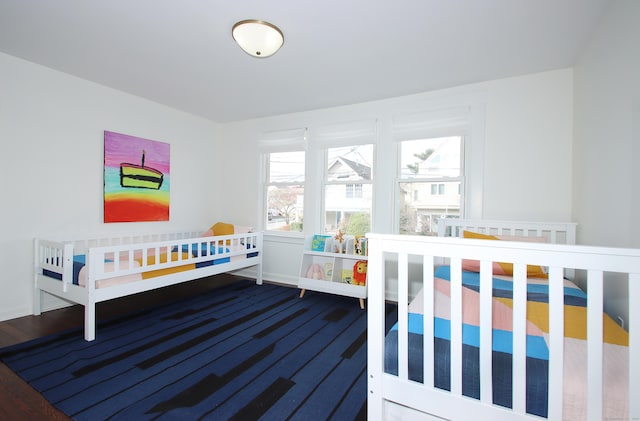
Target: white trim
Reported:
[(283, 140), (345, 134), (432, 123)]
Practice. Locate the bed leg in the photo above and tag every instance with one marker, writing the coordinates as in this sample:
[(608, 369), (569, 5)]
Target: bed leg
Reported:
[(37, 294), (37, 302), (89, 322), (259, 274)]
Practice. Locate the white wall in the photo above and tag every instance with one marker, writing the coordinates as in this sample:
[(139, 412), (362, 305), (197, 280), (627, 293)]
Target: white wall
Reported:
[(607, 106), (606, 200), (51, 166), (528, 149), (520, 154), (53, 123)]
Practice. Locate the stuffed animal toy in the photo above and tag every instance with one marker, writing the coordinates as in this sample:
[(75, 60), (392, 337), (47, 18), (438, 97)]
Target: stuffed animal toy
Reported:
[(360, 273), (315, 271)]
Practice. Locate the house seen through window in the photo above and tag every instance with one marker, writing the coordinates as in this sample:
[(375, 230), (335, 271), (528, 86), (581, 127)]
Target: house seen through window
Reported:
[(430, 181), (348, 189)]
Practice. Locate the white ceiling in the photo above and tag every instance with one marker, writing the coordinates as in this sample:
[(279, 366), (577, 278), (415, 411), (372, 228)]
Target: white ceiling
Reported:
[(336, 52)]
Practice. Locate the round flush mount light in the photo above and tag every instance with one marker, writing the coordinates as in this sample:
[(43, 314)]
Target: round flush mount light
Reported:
[(257, 37)]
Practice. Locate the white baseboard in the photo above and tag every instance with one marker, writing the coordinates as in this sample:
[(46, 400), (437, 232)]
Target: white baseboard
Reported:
[(268, 276)]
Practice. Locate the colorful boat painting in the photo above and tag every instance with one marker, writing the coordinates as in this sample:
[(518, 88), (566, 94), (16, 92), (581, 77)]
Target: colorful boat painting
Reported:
[(139, 176)]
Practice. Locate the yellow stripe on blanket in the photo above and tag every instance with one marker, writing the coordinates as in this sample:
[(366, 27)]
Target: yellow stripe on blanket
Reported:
[(151, 260), (575, 319)]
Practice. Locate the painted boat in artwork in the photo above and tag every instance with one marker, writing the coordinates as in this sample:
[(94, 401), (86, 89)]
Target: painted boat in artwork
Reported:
[(139, 176)]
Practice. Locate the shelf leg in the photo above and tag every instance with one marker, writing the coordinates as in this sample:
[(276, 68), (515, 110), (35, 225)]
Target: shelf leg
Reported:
[(302, 292), (362, 303)]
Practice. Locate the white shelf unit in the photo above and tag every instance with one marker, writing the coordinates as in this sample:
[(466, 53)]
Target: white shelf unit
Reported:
[(329, 278)]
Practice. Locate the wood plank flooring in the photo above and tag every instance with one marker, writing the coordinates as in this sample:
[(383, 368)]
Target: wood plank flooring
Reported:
[(18, 401)]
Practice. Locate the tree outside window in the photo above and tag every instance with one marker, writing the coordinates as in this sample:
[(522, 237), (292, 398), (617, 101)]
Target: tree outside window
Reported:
[(285, 191)]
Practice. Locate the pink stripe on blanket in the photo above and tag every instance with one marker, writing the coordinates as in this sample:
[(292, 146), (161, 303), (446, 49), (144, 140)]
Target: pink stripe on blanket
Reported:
[(502, 314)]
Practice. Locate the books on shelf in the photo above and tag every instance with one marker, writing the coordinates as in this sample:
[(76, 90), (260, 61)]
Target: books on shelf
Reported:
[(319, 242), (328, 270), (353, 245)]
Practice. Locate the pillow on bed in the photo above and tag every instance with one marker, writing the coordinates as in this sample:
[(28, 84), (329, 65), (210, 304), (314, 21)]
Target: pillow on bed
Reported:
[(222, 228), (501, 268), (219, 228), (240, 229)]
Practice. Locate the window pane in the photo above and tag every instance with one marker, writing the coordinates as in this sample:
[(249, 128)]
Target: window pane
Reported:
[(349, 223), (286, 167), (350, 163), (430, 158), (285, 208), (348, 190), (349, 213), (420, 208)]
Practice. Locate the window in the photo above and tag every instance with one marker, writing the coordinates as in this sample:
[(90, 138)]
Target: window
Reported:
[(285, 190), (354, 191), (431, 179), (437, 189), (348, 189)]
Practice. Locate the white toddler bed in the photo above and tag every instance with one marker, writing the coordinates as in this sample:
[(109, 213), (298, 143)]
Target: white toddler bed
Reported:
[(475, 345), (91, 271)]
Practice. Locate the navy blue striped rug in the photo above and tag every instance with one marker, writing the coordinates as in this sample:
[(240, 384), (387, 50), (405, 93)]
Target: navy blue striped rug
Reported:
[(238, 352)]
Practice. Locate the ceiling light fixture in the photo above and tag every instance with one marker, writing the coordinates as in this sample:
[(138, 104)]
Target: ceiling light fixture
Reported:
[(257, 37)]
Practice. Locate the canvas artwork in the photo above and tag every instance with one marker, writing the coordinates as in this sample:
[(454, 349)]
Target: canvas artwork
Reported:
[(136, 179)]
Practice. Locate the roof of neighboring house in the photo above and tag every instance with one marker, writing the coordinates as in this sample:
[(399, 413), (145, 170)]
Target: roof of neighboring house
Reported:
[(363, 171)]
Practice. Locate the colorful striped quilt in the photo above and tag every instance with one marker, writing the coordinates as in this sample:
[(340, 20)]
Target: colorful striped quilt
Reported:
[(615, 346)]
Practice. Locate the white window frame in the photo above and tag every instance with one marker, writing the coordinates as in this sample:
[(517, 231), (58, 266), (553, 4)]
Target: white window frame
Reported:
[(354, 133), (464, 121), (291, 140), (439, 183)]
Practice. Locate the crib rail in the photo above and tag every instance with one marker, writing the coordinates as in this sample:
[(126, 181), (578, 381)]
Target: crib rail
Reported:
[(596, 262), (553, 232)]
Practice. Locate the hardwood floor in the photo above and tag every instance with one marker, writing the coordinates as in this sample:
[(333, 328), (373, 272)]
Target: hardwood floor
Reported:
[(18, 400)]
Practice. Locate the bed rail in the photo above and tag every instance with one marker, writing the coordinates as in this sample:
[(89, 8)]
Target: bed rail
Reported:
[(386, 389), (129, 265), (553, 232)]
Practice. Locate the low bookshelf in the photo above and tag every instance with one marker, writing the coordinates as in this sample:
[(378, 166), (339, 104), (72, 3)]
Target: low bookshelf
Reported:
[(324, 270)]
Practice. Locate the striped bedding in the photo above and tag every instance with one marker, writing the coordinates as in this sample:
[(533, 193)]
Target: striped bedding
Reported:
[(80, 269), (575, 359)]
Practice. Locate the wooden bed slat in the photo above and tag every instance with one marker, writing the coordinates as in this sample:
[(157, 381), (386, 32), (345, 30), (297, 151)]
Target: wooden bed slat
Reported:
[(634, 345), (403, 316), (595, 297), (486, 332), (456, 326), (519, 337), (427, 320)]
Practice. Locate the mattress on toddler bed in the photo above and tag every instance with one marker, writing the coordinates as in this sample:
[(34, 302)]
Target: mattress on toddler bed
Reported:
[(575, 346), (80, 269)]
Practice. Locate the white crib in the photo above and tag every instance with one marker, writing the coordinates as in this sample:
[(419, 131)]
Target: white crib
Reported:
[(396, 396)]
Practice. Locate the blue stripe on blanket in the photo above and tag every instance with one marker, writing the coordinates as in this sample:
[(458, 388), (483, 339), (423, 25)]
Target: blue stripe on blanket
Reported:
[(78, 264), (537, 371), (504, 289), (79, 261), (502, 339)]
